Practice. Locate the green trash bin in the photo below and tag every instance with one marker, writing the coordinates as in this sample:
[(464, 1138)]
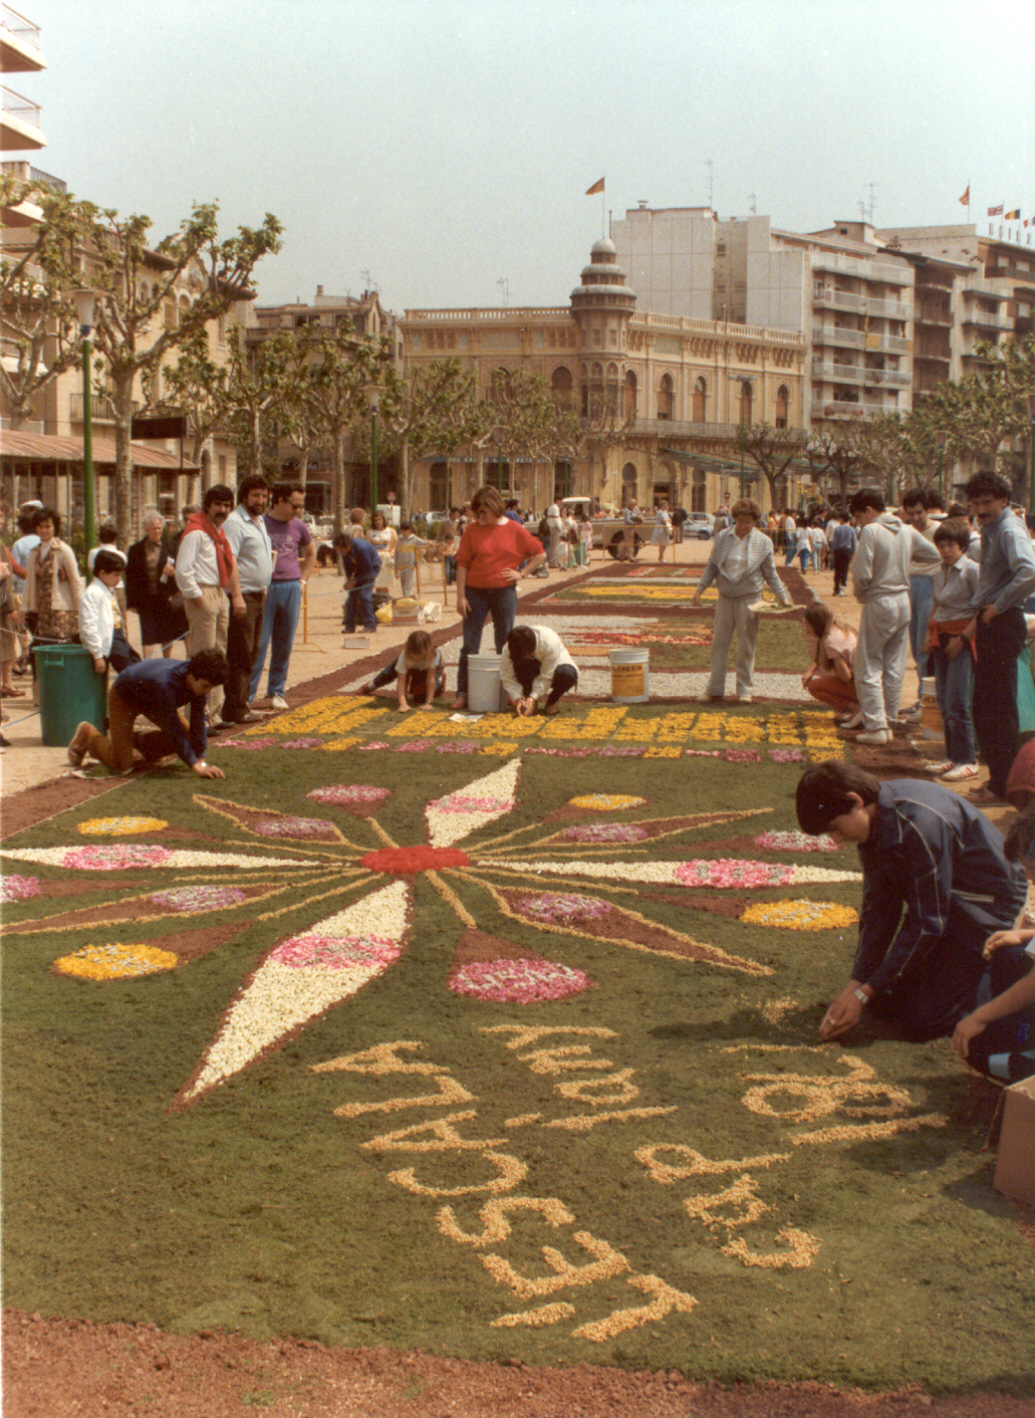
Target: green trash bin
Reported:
[(70, 690)]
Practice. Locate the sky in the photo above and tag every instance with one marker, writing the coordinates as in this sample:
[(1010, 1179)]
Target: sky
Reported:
[(439, 150)]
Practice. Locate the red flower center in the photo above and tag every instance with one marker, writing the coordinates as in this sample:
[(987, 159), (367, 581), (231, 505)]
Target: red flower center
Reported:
[(407, 861)]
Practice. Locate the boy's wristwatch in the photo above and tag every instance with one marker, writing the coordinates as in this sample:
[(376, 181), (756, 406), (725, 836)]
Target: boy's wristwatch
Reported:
[(860, 996)]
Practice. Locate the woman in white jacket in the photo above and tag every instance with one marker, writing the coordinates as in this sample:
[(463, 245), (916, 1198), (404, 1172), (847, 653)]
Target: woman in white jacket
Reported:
[(741, 564), (53, 585)]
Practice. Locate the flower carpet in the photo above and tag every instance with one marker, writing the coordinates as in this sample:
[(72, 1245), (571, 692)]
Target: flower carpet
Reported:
[(492, 1038)]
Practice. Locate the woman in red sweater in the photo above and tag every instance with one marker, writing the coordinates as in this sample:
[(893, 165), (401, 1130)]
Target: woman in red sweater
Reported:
[(492, 549)]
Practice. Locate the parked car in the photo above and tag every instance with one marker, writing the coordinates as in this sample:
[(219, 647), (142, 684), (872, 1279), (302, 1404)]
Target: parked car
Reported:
[(700, 525)]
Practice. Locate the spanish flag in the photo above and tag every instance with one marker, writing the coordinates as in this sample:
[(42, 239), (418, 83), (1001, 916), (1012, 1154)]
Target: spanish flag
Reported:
[(965, 199), (597, 187), (1013, 216)]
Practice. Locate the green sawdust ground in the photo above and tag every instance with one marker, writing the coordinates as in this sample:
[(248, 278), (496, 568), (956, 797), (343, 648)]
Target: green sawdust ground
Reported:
[(260, 1209)]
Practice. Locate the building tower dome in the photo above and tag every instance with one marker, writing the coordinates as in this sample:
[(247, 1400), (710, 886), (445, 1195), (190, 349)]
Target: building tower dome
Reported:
[(602, 305), (603, 281)]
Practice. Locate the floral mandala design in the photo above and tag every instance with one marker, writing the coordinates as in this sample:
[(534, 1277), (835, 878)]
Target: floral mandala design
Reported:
[(366, 881)]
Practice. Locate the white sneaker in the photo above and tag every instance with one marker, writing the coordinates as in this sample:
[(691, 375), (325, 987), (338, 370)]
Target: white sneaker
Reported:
[(855, 721), (277, 701), (940, 769), (874, 736), (960, 773)]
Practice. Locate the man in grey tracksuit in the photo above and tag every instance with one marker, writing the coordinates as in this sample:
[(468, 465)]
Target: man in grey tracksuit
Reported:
[(886, 549)]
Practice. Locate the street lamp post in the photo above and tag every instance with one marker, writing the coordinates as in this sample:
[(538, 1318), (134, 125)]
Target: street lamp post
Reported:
[(84, 307)]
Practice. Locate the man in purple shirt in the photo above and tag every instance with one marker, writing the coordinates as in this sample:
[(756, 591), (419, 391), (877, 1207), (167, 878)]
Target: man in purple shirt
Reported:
[(295, 557)]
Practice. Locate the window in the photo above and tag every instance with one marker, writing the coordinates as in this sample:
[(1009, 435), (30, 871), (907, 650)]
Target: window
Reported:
[(746, 400), (698, 492), (629, 482), (562, 385), (700, 402), (666, 397), (629, 401), (783, 399), (439, 490)]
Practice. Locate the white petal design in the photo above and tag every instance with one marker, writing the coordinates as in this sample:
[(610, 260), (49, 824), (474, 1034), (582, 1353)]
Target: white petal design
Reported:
[(455, 817), (666, 873), (301, 978), (131, 856)]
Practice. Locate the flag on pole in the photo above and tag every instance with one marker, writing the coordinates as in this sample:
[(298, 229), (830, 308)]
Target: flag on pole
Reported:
[(597, 187), (1013, 216), (996, 211), (965, 199)]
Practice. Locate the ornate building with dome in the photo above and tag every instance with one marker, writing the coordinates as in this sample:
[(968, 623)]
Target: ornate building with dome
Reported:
[(661, 399)]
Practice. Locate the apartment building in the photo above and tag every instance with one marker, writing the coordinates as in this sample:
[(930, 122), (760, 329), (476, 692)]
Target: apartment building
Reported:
[(839, 289)]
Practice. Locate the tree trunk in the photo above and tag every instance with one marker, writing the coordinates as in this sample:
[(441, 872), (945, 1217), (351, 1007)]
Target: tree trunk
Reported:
[(404, 476), (339, 480), (122, 402)]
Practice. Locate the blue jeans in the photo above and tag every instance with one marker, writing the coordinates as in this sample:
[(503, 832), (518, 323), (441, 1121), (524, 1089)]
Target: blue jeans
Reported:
[(360, 603), (498, 601), (952, 681), (921, 595), (279, 620)]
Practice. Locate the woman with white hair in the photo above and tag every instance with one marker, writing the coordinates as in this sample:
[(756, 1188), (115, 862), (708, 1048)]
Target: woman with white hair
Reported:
[(741, 565), (151, 588)]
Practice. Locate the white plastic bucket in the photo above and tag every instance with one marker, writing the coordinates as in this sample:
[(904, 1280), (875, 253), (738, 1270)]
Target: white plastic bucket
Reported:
[(484, 691), (630, 676)]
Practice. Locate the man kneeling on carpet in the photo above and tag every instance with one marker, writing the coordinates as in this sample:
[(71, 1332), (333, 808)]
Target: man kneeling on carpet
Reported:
[(535, 670), (419, 673), (985, 1048), (936, 885), (156, 689)]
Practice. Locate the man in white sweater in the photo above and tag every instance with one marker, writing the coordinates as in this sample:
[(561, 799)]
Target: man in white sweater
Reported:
[(886, 550)]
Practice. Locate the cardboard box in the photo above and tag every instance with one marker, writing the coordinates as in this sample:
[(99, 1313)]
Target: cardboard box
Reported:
[(409, 619), (357, 642), (1015, 1161)]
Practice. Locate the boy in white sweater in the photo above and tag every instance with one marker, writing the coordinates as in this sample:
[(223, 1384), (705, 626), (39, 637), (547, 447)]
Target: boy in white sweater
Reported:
[(100, 619)]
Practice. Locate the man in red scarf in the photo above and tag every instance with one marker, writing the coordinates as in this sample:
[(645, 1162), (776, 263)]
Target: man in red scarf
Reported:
[(206, 573)]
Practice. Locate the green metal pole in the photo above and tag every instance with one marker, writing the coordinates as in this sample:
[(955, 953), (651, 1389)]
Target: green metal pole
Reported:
[(373, 457), (89, 499)]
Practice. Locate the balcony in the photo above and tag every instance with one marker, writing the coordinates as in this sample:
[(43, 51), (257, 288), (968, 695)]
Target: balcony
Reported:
[(832, 373), (678, 428), (846, 409), (838, 335), (986, 320), (861, 269), (827, 298), (893, 378), (19, 123), (20, 51), (889, 309), (1012, 273), (888, 344), (25, 172), (102, 410)]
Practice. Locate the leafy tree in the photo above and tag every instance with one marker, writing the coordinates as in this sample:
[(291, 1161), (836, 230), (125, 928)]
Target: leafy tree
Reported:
[(196, 387), (139, 318), (843, 454), (38, 272), (343, 368), (773, 451), (428, 409)]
